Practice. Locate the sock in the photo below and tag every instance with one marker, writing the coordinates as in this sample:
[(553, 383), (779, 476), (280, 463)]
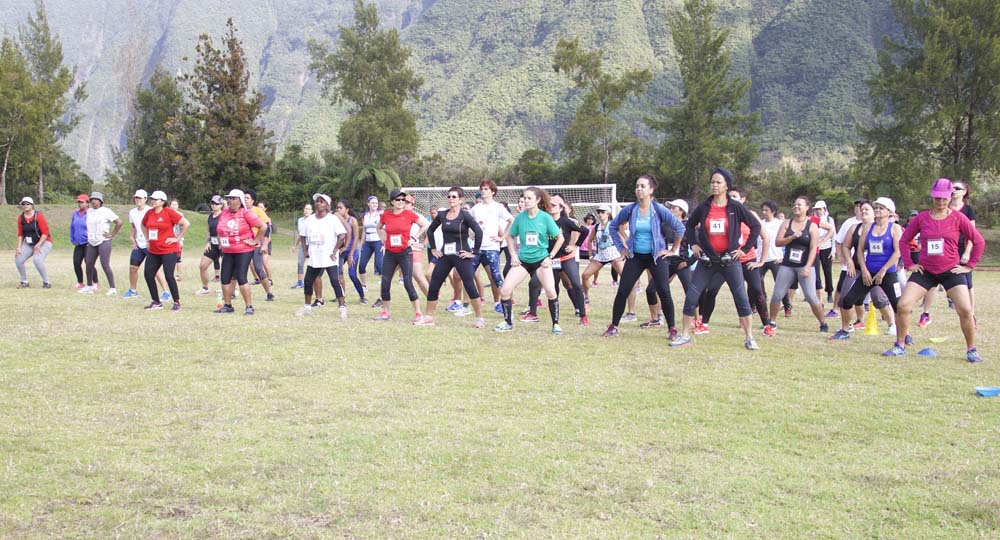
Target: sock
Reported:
[(554, 310), (507, 309)]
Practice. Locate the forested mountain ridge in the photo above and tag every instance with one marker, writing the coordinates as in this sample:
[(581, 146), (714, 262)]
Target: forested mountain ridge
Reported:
[(490, 91)]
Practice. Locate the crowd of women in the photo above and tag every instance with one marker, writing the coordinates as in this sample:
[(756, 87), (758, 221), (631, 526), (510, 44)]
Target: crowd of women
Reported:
[(885, 264)]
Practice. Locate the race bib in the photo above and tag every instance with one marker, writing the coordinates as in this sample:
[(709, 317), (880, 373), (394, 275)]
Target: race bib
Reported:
[(531, 239), (214, 240), (556, 264), (896, 288), (154, 234), (451, 248), (716, 226), (935, 246), (29, 240), (396, 240), (795, 255), (875, 248), (315, 239), (224, 241)]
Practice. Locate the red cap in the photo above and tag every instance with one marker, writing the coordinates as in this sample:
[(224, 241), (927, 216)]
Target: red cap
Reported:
[(82, 198)]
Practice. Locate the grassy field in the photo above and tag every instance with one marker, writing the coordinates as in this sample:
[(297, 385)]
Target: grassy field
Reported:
[(118, 423)]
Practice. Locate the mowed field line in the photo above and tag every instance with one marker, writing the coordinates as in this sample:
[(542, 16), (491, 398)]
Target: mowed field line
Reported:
[(119, 423)]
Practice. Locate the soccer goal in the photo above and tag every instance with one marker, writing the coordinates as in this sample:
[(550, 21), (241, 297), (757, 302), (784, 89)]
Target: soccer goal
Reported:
[(583, 197)]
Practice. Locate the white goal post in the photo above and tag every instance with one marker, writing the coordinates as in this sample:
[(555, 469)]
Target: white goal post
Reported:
[(583, 197)]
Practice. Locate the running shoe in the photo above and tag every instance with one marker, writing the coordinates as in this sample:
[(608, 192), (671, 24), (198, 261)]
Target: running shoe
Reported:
[(925, 319), (202, 292), (824, 328), (364, 302), (24, 285), (480, 323), (111, 292), (153, 305), (377, 304), (304, 311), (629, 317), (751, 344), (556, 330), (424, 320), (318, 303), (652, 323), (908, 340), (79, 286), (972, 355), (840, 335), (131, 293), (270, 297), (297, 285), (225, 309), (165, 297), (248, 311), (584, 321), (384, 316), (498, 308), (453, 306), (86, 290), (680, 341), (503, 327), (612, 331), (891, 331), (769, 331), (832, 314), (176, 306), (700, 328), (49, 286), (788, 311), (896, 350), (858, 325), (462, 311), (343, 312), (525, 312), (528, 317)]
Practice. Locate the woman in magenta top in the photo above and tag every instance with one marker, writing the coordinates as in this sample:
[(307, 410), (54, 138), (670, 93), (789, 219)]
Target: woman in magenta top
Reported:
[(940, 264), (164, 247), (394, 230), (237, 241)]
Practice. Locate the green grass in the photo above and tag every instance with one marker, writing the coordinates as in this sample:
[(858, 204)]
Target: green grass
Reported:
[(115, 422)]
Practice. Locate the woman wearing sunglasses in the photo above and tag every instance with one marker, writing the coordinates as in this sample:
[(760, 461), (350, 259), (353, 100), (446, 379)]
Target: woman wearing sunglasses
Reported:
[(394, 231), (33, 242)]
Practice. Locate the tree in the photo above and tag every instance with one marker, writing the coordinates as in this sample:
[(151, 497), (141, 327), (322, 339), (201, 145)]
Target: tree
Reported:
[(605, 95), (369, 70), (707, 129), (937, 94), (216, 142), (19, 110)]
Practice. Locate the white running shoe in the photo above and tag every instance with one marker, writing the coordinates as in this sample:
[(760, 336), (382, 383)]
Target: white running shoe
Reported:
[(86, 290), (304, 311), (343, 313), (202, 292), (111, 292)]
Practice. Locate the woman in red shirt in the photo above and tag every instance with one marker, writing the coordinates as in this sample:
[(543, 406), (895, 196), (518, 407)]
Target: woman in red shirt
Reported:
[(394, 230), (237, 239), (164, 247), (33, 242)]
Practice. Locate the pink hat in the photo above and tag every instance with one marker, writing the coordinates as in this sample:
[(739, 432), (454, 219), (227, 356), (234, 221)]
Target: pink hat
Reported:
[(941, 189)]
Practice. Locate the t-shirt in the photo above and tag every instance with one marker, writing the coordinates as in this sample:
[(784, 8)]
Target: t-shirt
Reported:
[(845, 228), (262, 215), (533, 235), (397, 229), (717, 226), (99, 222), (135, 218), (939, 241), (321, 236), (161, 227), (825, 239), (492, 219), (752, 254), (301, 225), (774, 252), (235, 228)]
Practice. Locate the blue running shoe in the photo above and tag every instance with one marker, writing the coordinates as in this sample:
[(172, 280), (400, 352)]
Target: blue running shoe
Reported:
[(165, 297), (503, 327), (972, 355), (498, 308), (681, 341), (896, 350), (840, 335), (453, 307), (131, 293)]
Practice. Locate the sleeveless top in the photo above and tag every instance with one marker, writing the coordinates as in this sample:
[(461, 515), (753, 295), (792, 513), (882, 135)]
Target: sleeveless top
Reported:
[(371, 222), (797, 252), (878, 249)]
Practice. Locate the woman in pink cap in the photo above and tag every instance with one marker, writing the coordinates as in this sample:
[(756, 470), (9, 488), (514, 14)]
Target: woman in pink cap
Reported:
[(940, 264)]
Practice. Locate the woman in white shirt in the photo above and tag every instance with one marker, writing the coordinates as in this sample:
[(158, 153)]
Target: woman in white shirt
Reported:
[(99, 239)]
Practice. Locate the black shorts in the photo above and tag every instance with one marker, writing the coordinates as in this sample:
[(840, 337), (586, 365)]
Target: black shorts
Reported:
[(531, 267), (213, 252), (928, 280), (138, 256)]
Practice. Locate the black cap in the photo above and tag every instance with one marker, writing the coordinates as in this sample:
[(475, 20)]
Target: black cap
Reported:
[(396, 193), (728, 176)]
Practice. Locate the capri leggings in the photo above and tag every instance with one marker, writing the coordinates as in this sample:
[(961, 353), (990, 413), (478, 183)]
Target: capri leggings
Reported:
[(367, 250), (755, 294), (104, 252), (235, 265), (443, 268), (788, 275), (701, 276), (571, 268), (300, 260), (878, 296), (258, 263), (889, 289), (772, 266), (403, 261), (168, 261), (313, 273)]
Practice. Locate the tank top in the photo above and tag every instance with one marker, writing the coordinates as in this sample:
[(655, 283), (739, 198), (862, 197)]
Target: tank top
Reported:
[(797, 252), (878, 249), (371, 226), (213, 229)]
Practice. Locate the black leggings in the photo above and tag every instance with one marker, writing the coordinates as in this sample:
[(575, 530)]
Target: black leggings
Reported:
[(258, 264), (755, 292), (443, 268), (824, 262), (79, 256), (235, 265), (153, 264), (571, 269), (702, 275), (313, 273), (859, 290), (633, 269), (404, 261), (506, 267)]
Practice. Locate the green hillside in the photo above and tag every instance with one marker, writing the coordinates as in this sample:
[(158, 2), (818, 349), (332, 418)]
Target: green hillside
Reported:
[(490, 90)]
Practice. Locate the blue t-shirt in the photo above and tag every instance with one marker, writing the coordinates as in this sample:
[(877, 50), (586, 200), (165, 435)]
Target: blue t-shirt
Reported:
[(643, 232)]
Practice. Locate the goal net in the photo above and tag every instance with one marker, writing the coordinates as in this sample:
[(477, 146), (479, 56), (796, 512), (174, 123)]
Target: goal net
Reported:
[(583, 197)]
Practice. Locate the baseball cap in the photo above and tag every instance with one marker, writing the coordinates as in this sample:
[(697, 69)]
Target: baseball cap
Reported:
[(28, 200), (317, 196), (140, 193), (159, 195), (820, 204), (679, 203), (82, 198), (604, 207), (236, 193), (216, 199), (886, 202), (941, 189), (399, 192)]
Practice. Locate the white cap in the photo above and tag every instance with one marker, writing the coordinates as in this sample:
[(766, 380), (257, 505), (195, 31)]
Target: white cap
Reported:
[(886, 202), (820, 204), (140, 193), (28, 200), (605, 207), (317, 196), (159, 195), (239, 194), (679, 203)]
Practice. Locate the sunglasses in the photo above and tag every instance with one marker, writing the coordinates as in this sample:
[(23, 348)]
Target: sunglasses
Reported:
[(454, 197), (26, 204), (602, 211), (958, 188), (399, 199)]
